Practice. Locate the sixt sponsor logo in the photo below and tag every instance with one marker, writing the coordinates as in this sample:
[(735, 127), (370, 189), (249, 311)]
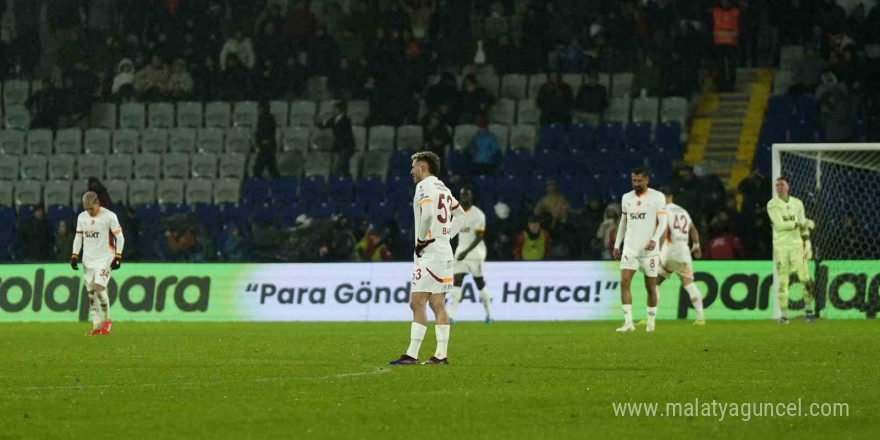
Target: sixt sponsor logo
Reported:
[(637, 216)]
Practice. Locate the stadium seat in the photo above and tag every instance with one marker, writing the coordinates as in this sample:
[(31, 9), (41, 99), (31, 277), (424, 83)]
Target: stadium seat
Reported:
[(218, 114), (170, 191), (409, 137), (313, 188), (489, 81), (283, 190), (325, 109), (517, 161), (788, 55), (341, 189), (546, 162), (535, 187), (510, 190), (523, 137), (618, 110), (360, 138), (11, 142), (131, 115), (376, 164), (381, 138), (9, 166), (321, 139), (160, 115), (28, 193), (154, 140), (142, 192), (527, 112), (295, 138), (316, 88), (119, 166), (147, 166), (116, 189), (125, 141), (182, 140), (668, 138), (645, 110), (33, 167), (68, 141), (552, 136), (78, 187), (318, 163), (97, 141), (302, 113), (574, 80), (244, 114), (175, 166), (59, 213), (780, 109), (637, 135), (288, 214), (227, 191), (621, 85), (321, 209), (39, 141), (15, 92), (536, 81), (232, 165), (57, 192), (254, 191), (581, 136), (17, 117), (6, 202), (209, 140), (291, 163), (503, 112), (204, 166), (61, 167), (502, 133), (673, 109), (610, 135), (189, 114), (281, 111), (463, 136), (103, 115), (238, 140), (514, 86), (370, 190), (458, 162), (782, 81), (358, 112)]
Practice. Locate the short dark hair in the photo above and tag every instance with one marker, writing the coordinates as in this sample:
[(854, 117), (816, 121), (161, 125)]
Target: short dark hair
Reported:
[(666, 190), (431, 158), (534, 219), (641, 171), (785, 179), (341, 105)]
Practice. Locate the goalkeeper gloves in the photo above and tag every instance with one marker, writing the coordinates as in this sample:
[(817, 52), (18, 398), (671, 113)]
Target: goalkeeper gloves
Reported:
[(808, 250), (117, 262), (421, 245), (74, 261)]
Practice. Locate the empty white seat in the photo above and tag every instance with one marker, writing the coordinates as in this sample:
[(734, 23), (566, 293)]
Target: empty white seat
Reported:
[(68, 141), (204, 166), (189, 114), (621, 84), (160, 115), (131, 115), (227, 191), (673, 109), (358, 112), (175, 166), (142, 192), (489, 81), (618, 110), (321, 138), (503, 112), (536, 81), (788, 55), (11, 142), (232, 165), (354, 165), (238, 140), (502, 132), (302, 113), (154, 140), (103, 115), (182, 140), (574, 80), (381, 138), (325, 109), (125, 141), (97, 141), (527, 112), (169, 192), (782, 81), (523, 137), (463, 136), (28, 193), (318, 163), (9, 166), (409, 137), (147, 166), (39, 141), (514, 86), (57, 192), (117, 190), (199, 191), (360, 137), (15, 91), (291, 163), (90, 165), (295, 139), (61, 166), (210, 140), (217, 114), (244, 114), (119, 166), (17, 117), (33, 167), (281, 111), (376, 164), (645, 110), (316, 88)]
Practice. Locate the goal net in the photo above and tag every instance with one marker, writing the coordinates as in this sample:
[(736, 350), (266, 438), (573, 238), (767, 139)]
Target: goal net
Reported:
[(840, 187)]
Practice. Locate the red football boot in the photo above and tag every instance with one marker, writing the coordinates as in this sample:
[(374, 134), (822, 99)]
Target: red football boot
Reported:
[(105, 327)]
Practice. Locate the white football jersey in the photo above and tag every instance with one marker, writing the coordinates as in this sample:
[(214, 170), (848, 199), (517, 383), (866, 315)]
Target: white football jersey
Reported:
[(642, 214), (433, 198), (679, 225), (98, 237), (470, 225)]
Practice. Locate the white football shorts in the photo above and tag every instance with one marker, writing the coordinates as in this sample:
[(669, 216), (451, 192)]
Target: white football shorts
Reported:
[(433, 276), (649, 265), (466, 266)]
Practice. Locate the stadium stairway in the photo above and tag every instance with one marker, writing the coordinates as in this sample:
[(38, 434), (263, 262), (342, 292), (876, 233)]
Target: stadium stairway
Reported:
[(726, 126)]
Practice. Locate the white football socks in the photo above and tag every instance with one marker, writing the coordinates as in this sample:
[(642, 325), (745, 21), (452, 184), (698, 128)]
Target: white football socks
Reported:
[(486, 299), (696, 299), (95, 311), (416, 335), (104, 304), (652, 314), (454, 299), (442, 332), (627, 313)]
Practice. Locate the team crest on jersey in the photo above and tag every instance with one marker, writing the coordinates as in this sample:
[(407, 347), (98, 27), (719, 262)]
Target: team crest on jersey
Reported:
[(639, 203), (93, 222)]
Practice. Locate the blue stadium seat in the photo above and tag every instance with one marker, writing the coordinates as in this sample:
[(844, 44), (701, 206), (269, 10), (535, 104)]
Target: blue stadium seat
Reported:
[(484, 187), (459, 162), (668, 137), (208, 215), (572, 187), (341, 189), (370, 189), (405, 219), (780, 108), (610, 135), (803, 131), (581, 136), (283, 189), (546, 162), (354, 210), (573, 160), (288, 213), (265, 213), (313, 189), (233, 213), (380, 213), (149, 216), (536, 187), (552, 136), (321, 209), (254, 191), (772, 132), (401, 160), (59, 213), (638, 135), (510, 190), (517, 161)]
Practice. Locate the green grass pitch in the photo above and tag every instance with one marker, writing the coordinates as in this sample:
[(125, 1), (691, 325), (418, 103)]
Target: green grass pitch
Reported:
[(509, 380)]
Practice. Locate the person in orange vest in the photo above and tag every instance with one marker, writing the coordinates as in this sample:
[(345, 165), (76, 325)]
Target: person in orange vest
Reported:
[(725, 37)]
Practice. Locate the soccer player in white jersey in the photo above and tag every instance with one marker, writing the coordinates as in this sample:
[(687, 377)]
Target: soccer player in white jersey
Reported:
[(99, 237), (675, 253), (642, 223), (433, 208), (470, 254)]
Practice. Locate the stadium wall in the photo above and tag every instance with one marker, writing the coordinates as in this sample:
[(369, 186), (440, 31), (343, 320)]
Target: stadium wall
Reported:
[(541, 291)]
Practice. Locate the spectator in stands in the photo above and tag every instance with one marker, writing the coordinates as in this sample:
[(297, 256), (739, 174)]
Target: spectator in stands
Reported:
[(553, 208), (573, 56), (241, 46), (607, 232), (555, 99), (794, 25), (533, 243), (502, 236), (725, 19), (341, 245), (299, 26), (123, 82), (371, 248), (48, 104), (343, 138), (755, 190), (235, 82), (475, 101), (324, 53), (101, 85), (443, 92), (35, 235), (646, 81), (484, 150), (73, 50), (265, 140), (504, 56), (234, 247), (343, 82), (161, 46), (151, 81), (270, 14), (723, 244), (436, 136), (207, 80), (268, 44), (496, 25), (834, 104), (180, 82), (591, 102), (295, 78), (183, 244), (268, 84), (420, 13), (63, 242), (98, 188), (77, 98)]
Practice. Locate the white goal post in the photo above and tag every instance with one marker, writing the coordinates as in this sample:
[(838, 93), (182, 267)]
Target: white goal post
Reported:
[(838, 184)]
